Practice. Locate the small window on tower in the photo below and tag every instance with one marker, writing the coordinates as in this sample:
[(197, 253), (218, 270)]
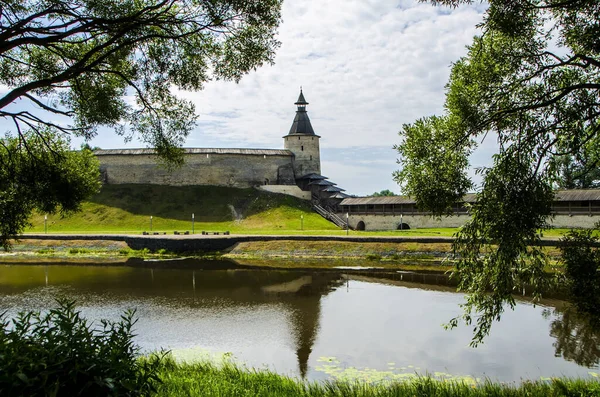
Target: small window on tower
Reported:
[(302, 148), (311, 157), (298, 138)]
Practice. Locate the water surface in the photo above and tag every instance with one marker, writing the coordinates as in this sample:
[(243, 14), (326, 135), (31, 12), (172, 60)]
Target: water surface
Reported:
[(313, 324)]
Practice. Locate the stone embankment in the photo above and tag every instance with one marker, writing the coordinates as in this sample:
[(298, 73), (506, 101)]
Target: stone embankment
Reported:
[(220, 243)]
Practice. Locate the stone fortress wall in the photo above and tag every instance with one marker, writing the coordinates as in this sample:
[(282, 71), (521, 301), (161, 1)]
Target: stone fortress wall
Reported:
[(240, 168)]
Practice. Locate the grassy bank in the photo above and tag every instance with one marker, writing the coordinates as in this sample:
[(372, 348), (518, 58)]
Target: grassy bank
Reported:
[(84, 251), (206, 379), (127, 209), (281, 254)]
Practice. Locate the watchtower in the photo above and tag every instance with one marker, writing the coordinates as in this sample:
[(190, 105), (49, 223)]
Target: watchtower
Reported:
[(303, 142)]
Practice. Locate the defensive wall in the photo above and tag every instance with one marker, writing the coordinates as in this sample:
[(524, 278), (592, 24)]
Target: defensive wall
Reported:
[(392, 222), (578, 208), (241, 168)]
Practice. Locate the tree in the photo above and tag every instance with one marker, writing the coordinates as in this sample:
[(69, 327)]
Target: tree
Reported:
[(39, 172), (581, 171), (384, 193), (74, 66), (532, 81)]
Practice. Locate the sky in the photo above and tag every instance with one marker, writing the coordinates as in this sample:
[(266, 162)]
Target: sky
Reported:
[(366, 67)]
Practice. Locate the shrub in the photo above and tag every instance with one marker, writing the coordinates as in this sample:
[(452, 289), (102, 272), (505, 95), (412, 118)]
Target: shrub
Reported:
[(373, 257), (59, 353), (75, 251)]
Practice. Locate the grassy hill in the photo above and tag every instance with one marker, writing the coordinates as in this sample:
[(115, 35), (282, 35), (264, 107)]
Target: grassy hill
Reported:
[(127, 209)]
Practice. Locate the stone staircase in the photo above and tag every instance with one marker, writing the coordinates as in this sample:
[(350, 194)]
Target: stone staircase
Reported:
[(329, 215)]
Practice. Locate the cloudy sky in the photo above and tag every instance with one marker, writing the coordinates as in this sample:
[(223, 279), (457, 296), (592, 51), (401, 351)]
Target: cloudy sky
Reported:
[(366, 68)]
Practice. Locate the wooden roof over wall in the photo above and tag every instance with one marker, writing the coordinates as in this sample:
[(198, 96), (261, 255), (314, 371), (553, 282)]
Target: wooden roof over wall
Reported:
[(560, 195)]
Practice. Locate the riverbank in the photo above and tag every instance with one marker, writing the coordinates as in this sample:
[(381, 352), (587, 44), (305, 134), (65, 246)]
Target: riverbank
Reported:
[(407, 253), (207, 379)]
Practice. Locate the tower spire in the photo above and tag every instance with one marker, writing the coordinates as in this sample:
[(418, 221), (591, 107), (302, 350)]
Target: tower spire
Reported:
[(301, 123), (301, 101)]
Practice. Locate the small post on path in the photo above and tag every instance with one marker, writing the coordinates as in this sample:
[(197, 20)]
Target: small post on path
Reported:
[(192, 223), (46, 224), (150, 222), (347, 225), (301, 222)]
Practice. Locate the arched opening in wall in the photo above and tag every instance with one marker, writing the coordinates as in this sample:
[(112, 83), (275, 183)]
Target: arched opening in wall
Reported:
[(311, 157), (403, 226), (266, 181), (302, 148), (360, 225)]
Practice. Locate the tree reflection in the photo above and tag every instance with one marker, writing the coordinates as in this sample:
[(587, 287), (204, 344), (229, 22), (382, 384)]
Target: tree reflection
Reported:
[(577, 336)]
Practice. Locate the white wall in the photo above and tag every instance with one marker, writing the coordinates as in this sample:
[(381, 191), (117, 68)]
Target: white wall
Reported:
[(286, 189), (391, 222)]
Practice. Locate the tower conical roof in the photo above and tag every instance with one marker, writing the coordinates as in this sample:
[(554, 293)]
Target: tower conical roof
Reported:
[(301, 100), (301, 124)]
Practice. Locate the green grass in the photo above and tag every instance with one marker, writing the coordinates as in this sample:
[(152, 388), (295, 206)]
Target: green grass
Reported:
[(127, 209), (208, 379)]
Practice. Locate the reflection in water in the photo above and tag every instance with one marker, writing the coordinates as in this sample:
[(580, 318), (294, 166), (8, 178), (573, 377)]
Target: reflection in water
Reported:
[(577, 337), (291, 318), (298, 293)]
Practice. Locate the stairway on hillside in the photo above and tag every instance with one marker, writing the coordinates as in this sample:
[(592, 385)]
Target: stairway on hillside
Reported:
[(329, 215)]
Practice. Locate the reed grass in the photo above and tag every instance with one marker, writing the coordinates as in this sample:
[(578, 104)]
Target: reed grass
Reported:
[(228, 379)]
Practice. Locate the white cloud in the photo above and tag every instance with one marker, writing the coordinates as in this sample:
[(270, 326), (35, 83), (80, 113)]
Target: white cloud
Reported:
[(367, 67)]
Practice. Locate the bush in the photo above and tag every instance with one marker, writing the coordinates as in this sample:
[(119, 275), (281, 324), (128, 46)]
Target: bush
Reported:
[(58, 353), (373, 257)]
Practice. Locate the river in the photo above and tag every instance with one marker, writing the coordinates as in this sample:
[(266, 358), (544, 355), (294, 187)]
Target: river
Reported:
[(316, 325)]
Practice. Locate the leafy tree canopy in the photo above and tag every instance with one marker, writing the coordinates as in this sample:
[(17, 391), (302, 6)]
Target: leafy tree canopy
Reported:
[(70, 67), (114, 62), (579, 171), (384, 193), (531, 81), (41, 173)]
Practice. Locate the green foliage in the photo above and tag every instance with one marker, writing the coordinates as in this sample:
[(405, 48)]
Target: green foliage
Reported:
[(59, 354), (531, 81), (579, 171), (207, 379), (433, 164), (41, 173), (384, 193), (79, 60), (498, 251), (581, 258), (72, 65)]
